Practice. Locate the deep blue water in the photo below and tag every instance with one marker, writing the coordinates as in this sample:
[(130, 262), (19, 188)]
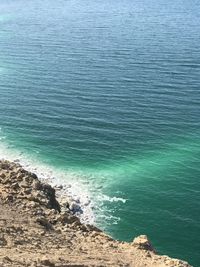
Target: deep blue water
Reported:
[(109, 92)]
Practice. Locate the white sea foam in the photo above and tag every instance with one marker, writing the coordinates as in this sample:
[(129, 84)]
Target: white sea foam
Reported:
[(70, 184), (82, 191), (112, 199)]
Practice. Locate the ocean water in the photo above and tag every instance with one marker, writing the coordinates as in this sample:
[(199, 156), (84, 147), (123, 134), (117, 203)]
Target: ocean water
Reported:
[(104, 96)]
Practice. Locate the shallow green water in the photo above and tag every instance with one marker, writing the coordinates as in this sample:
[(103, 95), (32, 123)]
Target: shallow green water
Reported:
[(107, 94)]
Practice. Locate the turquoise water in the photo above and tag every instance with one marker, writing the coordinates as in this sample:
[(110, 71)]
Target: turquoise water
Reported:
[(109, 92)]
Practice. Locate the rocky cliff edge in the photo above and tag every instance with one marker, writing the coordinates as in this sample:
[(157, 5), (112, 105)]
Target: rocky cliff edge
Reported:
[(36, 231)]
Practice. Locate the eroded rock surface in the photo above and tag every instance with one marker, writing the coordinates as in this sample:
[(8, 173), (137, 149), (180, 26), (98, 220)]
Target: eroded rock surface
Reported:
[(35, 231)]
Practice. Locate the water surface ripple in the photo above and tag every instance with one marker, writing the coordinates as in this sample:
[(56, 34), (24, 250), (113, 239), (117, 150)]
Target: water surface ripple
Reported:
[(108, 93)]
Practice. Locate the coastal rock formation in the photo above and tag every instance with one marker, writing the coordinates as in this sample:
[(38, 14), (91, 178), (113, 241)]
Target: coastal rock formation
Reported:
[(36, 231)]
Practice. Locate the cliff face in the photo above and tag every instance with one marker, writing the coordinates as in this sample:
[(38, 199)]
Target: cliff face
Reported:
[(36, 230)]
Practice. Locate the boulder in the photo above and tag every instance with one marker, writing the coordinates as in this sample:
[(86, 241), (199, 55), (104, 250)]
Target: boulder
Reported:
[(142, 242)]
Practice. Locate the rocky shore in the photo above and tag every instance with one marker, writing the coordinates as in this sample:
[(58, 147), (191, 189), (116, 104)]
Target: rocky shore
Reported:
[(38, 229)]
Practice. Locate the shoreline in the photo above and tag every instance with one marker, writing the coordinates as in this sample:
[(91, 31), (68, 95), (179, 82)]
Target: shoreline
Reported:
[(40, 229), (76, 191), (81, 192)]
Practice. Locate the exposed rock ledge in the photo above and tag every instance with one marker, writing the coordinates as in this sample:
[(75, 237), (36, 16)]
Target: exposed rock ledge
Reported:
[(35, 231)]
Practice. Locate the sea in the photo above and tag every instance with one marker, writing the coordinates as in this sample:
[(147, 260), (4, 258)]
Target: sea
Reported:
[(104, 98)]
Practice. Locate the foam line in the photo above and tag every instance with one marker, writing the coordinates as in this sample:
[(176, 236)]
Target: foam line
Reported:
[(69, 183)]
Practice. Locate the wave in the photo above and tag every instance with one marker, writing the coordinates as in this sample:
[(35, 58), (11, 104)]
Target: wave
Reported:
[(113, 199)]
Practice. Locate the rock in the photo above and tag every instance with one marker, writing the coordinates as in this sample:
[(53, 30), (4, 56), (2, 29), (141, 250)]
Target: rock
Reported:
[(7, 259), (58, 187), (36, 185), (44, 222), (47, 262), (3, 241), (34, 176), (50, 194), (32, 204), (9, 198), (27, 191), (142, 242), (35, 232), (24, 184), (15, 186), (74, 207)]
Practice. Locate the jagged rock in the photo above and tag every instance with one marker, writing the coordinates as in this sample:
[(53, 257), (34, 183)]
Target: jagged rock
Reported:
[(47, 262), (74, 207), (3, 241), (142, 242), (44, 222), (34, 231), (50, 194), (15, 186), (7, 259), (36, 185)]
